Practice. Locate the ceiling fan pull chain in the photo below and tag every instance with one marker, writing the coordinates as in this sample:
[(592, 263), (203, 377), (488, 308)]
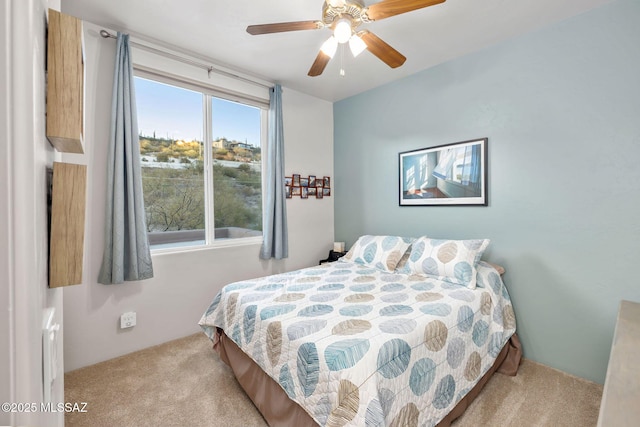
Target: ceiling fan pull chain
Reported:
[(342, 60)]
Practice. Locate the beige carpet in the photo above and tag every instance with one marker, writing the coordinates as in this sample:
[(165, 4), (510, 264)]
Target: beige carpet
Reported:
[(184, 383)]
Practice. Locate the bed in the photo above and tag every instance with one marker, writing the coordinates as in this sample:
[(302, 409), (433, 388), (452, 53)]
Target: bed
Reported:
[(399, 332)]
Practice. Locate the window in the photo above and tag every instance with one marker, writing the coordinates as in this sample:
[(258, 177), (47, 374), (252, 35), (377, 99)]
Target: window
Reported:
[(461, 168), (197, 193)]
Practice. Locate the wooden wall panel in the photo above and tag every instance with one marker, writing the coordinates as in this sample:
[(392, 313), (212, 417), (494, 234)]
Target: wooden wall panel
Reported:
[(67, 224), (65, 83)]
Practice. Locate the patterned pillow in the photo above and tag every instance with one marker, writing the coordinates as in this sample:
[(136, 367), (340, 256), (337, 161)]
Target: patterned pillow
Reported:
[(451, 260), (383, 252)]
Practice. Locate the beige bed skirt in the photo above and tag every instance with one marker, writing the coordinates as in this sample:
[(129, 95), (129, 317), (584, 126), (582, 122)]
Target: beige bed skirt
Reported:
[(278, 410)]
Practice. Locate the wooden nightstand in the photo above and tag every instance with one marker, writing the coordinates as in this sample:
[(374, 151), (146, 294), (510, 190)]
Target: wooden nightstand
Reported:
[(333, 256)]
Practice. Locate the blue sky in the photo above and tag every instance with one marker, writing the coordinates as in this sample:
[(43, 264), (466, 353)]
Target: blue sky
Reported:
[(176, 113)]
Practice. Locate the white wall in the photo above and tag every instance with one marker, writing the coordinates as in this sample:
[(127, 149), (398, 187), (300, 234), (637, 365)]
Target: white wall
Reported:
[(24, 156), (170, 305)]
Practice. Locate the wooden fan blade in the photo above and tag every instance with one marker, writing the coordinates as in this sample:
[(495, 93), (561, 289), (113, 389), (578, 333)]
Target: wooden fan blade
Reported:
[(319, 64), (382, 50), (387, 8), (281, 27)]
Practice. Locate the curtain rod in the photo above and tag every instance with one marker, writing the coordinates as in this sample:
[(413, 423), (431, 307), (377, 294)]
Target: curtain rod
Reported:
[(107, 35)]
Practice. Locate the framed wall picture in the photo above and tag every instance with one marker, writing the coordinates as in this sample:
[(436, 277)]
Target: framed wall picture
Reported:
[(311, 186), (445, 175)]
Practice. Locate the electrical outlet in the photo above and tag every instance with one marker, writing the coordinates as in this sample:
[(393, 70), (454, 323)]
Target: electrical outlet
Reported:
[(128, 320)]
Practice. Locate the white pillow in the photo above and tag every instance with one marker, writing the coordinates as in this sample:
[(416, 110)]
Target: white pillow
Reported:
[(383, 252), (451, 260)]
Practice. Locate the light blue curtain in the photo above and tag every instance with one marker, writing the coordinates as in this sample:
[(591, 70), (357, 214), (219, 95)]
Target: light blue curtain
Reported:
[(467, 167), (126, 248), (476, 166), (275, 242)]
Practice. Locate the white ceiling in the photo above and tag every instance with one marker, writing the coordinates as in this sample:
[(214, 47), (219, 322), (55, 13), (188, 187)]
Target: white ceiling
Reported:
[(216, 29)]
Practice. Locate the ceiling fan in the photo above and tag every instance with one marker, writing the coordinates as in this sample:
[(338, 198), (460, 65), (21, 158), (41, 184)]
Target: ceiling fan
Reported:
[(344, 17)]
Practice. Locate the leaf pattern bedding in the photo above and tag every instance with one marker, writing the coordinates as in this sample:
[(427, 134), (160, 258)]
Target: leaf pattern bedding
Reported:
[(359, 346)]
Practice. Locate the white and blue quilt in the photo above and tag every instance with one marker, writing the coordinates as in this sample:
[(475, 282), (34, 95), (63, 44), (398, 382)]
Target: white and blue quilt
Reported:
[(358, 346)]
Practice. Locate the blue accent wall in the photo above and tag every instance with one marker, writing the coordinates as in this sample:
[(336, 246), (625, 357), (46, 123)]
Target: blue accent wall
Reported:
[(561, 109)]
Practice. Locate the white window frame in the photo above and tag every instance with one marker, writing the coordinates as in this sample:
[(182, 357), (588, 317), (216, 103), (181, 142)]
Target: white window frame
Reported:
[(210, 92)]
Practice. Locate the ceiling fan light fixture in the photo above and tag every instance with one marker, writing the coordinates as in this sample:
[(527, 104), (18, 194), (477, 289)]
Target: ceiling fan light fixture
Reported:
[(342, 31), (343, 18), (357, 45), (330, 46)]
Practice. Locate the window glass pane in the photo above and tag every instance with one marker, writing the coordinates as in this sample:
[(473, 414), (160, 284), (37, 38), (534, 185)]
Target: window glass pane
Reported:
[(461, 167), (237, 170), (170, 128)]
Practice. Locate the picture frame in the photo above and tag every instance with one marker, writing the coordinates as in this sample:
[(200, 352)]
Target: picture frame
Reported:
[(311, 186), (445, 175)]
